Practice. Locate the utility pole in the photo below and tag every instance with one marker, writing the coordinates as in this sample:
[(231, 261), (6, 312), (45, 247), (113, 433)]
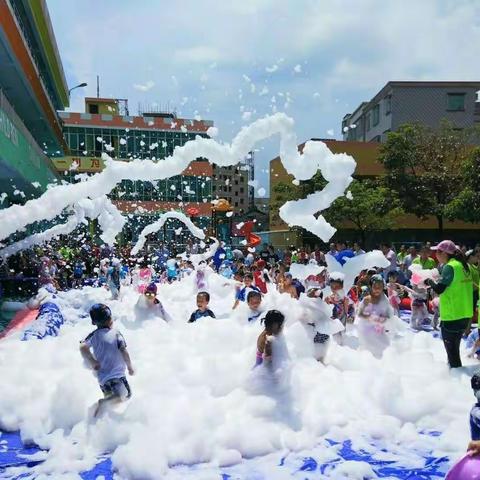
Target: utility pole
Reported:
[(98, 86)]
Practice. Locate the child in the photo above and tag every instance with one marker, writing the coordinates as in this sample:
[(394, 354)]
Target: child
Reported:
[(393, 292), (201, 277), (419, 297), (172, 270), (254, 301), (473, 342), (475, 411), (373, 313), (203, 298), (343, 309), (318, 322), (143, 277), (287, 286), (248, 286), (260, 275), (113, 278), (109, 358), (149, 303), (78, 272), (274, 321)]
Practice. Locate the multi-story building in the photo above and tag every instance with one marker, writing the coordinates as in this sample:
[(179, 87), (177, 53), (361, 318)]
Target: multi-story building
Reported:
[(32, 89), (146, 136), (398, 103), (409, 227), (231, 183)]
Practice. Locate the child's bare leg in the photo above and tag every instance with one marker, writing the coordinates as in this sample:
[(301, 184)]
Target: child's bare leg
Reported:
[(112, 400)]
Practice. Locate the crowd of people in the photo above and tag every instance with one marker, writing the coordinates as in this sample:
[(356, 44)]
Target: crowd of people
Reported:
[(436, 285)]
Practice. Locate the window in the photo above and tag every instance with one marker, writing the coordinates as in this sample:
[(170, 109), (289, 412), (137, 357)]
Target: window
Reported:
[(455, 102), (388, 104), (93, 108), (368, 121), (376, 115)]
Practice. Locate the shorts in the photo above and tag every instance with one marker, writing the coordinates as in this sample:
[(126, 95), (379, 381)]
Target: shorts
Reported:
[(321, 338), (116, 387)]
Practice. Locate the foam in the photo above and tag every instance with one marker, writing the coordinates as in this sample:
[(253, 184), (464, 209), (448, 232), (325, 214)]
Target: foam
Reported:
[(193, 399)]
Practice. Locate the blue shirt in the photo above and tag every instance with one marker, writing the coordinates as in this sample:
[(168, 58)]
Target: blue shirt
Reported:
[(197, 314), (341, 257), (243, 293), (475, 422)]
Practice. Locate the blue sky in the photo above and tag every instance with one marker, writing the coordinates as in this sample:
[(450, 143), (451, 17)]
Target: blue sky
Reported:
[(233, 62)]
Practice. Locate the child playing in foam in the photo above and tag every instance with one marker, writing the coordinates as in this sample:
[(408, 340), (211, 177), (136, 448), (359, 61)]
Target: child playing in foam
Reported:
[(254, 302), (373, 314), (149, 305), (202, 311), (143, 277), (343, 309), (109, 358), (271, 343), (318, 322), (247, 287), (393, 292)]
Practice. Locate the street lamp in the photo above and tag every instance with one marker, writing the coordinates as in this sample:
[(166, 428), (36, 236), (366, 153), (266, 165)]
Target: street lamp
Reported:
[(78, 86)]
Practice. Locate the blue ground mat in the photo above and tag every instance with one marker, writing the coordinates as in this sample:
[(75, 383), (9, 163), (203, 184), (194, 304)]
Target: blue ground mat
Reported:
[(305, 467)]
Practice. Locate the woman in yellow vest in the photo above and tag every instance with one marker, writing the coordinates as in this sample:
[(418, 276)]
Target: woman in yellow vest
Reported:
[(455, 289)]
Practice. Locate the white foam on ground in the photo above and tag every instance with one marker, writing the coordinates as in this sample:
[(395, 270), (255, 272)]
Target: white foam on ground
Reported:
[(195, 400)]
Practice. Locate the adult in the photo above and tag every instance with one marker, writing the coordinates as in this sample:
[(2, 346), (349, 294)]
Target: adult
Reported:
[(402, 253), (333, 249), (425, 260), (409, 259), (357, 249), (391, 256), (343, 252), (264, 253), (455, 289)]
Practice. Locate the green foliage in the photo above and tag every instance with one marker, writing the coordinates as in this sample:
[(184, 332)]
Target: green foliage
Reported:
[(466, 206), (424, 167), (373, 207)]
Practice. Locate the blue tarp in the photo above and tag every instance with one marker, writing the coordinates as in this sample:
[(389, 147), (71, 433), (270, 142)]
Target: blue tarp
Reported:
[(14, 454), (48, 322)]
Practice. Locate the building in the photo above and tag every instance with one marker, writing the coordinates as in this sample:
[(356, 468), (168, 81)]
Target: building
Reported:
[(409, 228), (235, 184), (231, 183), (150, 135), (398, 103), (32, 89)]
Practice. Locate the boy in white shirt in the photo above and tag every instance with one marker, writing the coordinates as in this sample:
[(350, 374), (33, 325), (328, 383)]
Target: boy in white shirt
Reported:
[(110, 358)]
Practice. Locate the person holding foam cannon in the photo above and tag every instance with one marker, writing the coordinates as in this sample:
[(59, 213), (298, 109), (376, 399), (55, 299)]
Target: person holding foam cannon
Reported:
[(110, 357), (455, 289)]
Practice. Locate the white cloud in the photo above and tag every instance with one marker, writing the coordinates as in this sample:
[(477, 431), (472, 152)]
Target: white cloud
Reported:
[(197, 54), (144, 87)]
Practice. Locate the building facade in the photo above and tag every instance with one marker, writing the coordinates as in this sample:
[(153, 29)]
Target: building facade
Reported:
[(32, 89), (152, 136), (398, 103), (231, 183)]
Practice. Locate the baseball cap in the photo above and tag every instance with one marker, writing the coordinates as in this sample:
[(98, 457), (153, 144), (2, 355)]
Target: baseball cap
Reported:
[(446, 246), (152, 288)]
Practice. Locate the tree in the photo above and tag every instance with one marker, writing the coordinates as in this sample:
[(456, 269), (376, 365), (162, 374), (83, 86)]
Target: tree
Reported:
[(466, 206), (371, 207), (422, 166)]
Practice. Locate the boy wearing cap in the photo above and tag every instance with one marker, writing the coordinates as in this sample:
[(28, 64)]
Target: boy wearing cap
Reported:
[(110, 358)]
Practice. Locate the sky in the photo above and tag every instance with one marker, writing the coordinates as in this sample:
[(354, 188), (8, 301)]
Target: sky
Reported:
[(234, 62)]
